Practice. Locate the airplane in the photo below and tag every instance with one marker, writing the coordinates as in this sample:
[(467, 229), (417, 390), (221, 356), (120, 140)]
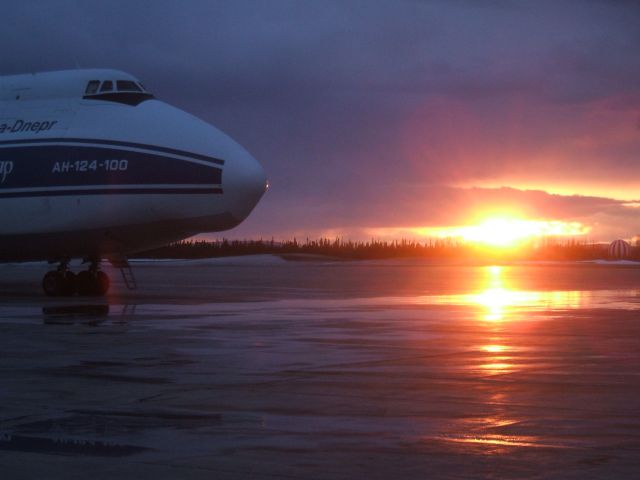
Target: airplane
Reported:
[(94, 166)]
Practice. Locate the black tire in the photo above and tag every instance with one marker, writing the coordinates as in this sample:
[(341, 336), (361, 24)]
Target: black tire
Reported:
[(84, 283), (69, 286), (54, 284), (102, 283), (92, 283)]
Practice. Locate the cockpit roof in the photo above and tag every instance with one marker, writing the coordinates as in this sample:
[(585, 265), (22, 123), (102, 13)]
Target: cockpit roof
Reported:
[(61, 84)]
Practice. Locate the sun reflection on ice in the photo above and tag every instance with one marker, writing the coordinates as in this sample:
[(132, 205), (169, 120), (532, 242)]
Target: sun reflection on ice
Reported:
[(494, 348), (499, 299), (506, 441), (499, 339)]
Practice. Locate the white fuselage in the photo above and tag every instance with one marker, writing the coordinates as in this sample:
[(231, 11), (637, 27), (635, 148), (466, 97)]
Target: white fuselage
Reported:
[(92, 171)]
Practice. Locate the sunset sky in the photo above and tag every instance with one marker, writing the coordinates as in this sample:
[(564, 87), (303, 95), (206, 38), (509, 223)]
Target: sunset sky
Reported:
[(386, 118)]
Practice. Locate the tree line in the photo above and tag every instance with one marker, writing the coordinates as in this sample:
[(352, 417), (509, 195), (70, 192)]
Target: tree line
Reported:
[(545, 249)]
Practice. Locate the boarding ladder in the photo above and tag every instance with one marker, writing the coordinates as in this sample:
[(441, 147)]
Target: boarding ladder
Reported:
[(126, 271)]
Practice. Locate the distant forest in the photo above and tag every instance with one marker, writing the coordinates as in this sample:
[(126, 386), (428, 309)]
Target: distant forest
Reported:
[(547, 249)]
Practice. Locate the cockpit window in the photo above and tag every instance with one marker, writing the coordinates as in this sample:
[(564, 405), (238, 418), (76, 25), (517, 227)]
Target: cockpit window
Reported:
[(127, 86), (127, 92), (107, 86), (92, 87)]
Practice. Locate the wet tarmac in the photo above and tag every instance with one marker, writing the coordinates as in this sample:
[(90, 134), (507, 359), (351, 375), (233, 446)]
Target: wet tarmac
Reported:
[(264, 368)]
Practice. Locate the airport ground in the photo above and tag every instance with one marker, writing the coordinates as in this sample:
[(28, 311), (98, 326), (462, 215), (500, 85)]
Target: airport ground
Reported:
[(258, 367)]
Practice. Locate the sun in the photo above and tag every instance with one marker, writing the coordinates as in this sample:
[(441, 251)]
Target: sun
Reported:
[(502, 232)]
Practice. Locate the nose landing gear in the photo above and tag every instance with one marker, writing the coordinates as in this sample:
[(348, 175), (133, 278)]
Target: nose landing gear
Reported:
[(62, 282), (92, 282)]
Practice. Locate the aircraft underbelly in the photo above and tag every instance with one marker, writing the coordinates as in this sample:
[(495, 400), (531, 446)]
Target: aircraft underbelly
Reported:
[(65, 213), (103, 225)]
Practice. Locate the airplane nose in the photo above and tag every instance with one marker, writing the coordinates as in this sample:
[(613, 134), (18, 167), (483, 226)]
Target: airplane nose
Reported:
[(244, 182)]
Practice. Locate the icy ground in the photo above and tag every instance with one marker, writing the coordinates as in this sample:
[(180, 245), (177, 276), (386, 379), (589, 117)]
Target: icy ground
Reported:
[(262, 368)]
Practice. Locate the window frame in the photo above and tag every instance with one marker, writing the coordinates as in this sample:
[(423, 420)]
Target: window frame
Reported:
[(133, 86), (92, 87), (103, 88)]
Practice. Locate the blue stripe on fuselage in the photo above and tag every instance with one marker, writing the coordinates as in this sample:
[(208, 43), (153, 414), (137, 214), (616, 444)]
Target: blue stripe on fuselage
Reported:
[(114, 143), (41, 166), (110, 191)]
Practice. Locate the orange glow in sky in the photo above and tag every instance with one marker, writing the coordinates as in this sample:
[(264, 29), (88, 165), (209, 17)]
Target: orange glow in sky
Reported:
[(505, 231), (622, 189), (498, 232)]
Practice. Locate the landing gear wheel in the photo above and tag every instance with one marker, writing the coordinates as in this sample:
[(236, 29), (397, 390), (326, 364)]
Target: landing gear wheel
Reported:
[(52, 283), (102, 283), (84, 282), (92, 283), (69, 283), (59, 283)]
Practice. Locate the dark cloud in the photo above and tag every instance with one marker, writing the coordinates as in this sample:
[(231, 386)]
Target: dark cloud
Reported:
[(360, 110)]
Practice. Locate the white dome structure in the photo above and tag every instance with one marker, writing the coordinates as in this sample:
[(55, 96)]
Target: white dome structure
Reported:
[(619, 249)]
